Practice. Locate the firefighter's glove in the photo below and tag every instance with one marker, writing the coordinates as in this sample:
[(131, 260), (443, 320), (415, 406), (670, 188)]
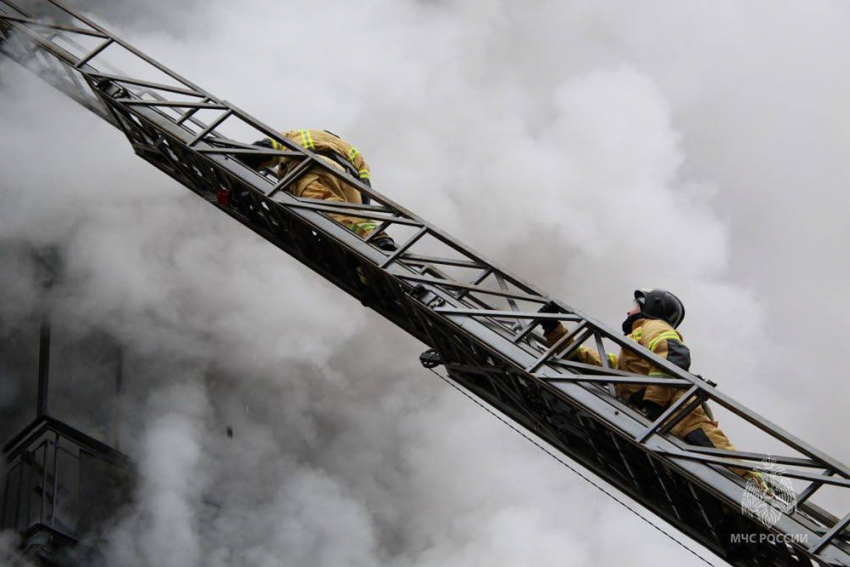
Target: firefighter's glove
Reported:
[(549, 325), (651, 410), (385, 242), (254, 160), (759, 479)]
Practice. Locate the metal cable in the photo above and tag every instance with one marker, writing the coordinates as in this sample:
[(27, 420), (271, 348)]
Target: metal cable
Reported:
[(570, 467)]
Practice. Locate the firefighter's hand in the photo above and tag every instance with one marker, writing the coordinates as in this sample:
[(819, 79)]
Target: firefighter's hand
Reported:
[(549, 325), (256, 161)]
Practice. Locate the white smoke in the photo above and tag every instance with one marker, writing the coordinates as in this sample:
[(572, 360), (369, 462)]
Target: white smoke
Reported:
[(9, 556), (597, 150)]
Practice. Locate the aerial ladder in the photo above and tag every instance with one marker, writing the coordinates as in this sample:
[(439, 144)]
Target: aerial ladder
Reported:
[(480, 322)]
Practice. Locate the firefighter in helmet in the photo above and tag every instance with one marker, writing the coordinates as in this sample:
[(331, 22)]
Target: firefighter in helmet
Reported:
[(652, 322), (317, 183)]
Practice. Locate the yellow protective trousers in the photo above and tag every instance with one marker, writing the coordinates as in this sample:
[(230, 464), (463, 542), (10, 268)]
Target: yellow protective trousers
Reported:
[(326, 187), (697, 428)]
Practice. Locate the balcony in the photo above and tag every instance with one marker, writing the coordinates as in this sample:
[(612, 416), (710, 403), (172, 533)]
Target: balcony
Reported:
[(59, 487)]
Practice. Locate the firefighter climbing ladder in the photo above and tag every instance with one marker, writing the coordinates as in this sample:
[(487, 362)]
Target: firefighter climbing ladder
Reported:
[(480, 322)]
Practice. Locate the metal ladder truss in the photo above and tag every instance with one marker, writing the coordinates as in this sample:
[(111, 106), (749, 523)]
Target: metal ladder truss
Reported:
[(480, 321)]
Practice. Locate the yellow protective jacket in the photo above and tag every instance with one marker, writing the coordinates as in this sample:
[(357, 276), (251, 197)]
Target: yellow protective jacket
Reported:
[(654, 334), (324, 143)]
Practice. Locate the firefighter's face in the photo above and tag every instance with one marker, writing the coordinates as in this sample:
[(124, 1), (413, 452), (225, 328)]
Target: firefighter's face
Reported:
[(634, 310)]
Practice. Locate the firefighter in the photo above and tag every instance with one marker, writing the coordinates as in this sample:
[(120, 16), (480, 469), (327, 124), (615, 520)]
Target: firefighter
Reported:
[(319, 184), (652, 322)]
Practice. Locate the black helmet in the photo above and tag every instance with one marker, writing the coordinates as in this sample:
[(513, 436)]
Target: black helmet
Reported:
[(660, 304)]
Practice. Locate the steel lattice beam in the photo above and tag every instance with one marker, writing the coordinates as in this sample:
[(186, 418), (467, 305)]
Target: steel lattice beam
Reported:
[(481, 319)]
